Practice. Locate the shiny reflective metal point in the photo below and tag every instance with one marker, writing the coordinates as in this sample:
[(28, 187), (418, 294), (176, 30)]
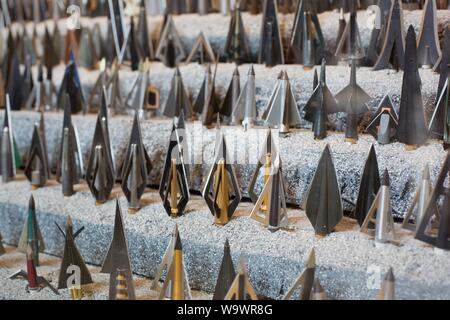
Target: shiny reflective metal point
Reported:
[(174, 188), (244, 109), (135, 168), (176, 283), (270, 208), (221, 191), (170, 49), (411, 124), (271, 46), (306, 44), (282, 111), (392, 53), (237, 48)]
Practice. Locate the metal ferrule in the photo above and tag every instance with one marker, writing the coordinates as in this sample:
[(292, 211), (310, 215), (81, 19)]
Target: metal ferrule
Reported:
[(76, 293), (384, 129), (268, 166), (121, 285), (177, 289), (221, 217)]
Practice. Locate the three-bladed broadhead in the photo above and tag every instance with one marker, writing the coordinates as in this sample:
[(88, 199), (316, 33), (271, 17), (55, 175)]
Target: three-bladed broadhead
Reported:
[(100, 171), (237, 48), (411, 126), (232, 95), (178, 99), (72, 257), (244, 109), (173, 187), (143, 37), (202, 51), (271, 47), (37, 170), (428, 46), (135, 167), (170, 48), (306, 44), (282, 111), (71, 86), (393, 50)]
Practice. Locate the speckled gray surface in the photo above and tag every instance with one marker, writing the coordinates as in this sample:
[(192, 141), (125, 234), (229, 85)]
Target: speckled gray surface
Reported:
[(274, 259), (300, 153)]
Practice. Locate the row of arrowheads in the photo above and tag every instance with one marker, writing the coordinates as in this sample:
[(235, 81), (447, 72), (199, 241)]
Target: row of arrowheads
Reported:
[(129, 43), (221, 190), (239, 106), (75, 276)]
